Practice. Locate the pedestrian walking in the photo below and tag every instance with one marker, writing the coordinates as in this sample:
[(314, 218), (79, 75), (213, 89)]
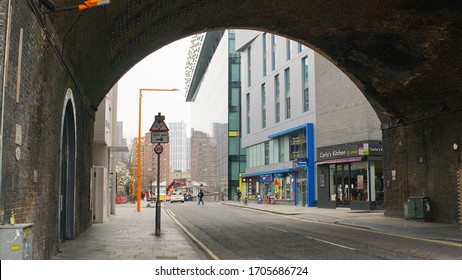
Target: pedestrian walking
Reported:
[(200, 195), (239, 194)]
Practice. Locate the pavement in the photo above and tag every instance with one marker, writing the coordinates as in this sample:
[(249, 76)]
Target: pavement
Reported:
[(129, 235)]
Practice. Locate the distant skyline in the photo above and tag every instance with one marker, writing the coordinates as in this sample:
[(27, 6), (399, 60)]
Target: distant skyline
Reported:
[(163, 69)]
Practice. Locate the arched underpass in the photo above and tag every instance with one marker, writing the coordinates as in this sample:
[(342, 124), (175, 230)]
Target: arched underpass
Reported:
[(404, 56)]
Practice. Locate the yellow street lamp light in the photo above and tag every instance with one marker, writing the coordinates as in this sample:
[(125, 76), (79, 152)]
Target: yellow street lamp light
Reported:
[(50, 5), (138, 187), (92, 3)]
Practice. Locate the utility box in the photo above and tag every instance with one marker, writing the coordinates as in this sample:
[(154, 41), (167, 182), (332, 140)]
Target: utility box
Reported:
[(16, 242), (419, 208)]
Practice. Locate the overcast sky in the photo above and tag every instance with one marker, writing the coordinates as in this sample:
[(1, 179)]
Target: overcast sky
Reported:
[(163, 69)]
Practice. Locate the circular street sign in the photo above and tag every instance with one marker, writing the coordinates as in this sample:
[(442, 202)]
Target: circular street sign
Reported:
[(158, 149)]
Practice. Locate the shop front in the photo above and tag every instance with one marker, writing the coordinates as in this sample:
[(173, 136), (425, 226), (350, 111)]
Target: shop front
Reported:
[(351, 175), (277, 186)]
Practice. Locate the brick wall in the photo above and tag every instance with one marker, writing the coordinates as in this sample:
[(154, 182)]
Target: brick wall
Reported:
[(44, 83), (459, 195), (3, 23), (425, 163)]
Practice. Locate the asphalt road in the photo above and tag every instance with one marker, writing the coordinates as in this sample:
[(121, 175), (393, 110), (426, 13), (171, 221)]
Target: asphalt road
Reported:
[(239, 233)]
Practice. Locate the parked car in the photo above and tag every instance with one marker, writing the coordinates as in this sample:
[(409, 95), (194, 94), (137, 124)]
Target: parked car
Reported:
[(176, 197)]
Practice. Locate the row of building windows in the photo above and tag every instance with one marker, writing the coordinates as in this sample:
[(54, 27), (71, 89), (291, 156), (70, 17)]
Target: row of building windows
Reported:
[(287, 95), (289, 55), (282, 149)]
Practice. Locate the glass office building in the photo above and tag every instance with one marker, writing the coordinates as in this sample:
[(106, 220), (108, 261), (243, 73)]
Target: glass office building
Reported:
[(213, 87)]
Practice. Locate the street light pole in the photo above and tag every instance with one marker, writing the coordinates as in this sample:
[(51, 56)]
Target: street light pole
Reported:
[(138, 185), (138, 194), (158, 200)]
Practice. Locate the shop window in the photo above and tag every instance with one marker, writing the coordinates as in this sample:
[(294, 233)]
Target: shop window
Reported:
[(377, 183), (359, 181)]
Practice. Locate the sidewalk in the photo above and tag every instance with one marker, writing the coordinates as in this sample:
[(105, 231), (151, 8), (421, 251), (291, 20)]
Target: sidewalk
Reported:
[(129, 235), (372, 220)]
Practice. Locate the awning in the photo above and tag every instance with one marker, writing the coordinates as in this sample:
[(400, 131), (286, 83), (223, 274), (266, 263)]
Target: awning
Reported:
[(268, 172), (340, 160)]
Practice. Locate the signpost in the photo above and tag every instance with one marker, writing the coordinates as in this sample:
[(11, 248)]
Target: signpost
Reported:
[(159, 137), (159, 134)]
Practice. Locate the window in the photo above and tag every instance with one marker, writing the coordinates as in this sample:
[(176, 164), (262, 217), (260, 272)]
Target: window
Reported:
[(306, 99), (248, 113), (306, 91), (297, 143), (249, 66), (273, 52), (300, 47), (305, 69), (288, 50), (263, 106), (267, 153), (264, 53), (287, 91), (281, 149), (276, 98)]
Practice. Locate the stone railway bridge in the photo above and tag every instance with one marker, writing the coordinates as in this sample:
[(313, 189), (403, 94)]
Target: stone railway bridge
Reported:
[(404, 55)]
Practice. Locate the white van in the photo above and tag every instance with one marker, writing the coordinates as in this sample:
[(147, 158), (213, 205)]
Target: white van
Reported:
[(177, 197)]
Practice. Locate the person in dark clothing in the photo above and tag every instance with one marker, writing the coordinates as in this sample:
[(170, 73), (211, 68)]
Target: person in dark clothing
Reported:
[(239, 194), (200, 195)]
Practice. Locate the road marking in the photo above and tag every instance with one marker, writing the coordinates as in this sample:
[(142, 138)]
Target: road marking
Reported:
[(277, 229), (444, 242), (197, 241), (331, 243)]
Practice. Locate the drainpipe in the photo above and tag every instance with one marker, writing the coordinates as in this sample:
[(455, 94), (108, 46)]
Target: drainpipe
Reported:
[(5, 76)]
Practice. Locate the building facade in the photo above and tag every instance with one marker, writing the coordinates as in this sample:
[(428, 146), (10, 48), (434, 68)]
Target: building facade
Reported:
[(298, 107), (178, 143), (213, 82), (349, 148), (105, 139), (278, 118), (149, 164)]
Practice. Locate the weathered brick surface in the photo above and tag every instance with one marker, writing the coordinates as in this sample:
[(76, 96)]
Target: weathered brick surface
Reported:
[(459, 193), (43, 87), (405, 58), (426, 164)]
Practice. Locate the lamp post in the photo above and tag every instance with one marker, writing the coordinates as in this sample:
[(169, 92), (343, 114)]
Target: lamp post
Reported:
[(138, 191), (50, 5)]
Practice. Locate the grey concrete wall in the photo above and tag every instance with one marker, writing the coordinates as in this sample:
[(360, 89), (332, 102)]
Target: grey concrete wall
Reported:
[(343, 114)]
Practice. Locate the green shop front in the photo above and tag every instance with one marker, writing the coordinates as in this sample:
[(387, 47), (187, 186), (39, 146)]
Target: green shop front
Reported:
[(350, 175)]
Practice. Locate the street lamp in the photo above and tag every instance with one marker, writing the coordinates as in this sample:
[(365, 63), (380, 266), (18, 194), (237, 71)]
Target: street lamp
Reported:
[(50, 5), (138, 191)]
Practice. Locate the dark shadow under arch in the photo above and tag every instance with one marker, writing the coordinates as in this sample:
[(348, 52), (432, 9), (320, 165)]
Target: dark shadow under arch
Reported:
[(67, 187)]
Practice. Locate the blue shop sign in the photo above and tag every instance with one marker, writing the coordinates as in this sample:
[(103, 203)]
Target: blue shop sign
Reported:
[(301, 162), (266, 178)]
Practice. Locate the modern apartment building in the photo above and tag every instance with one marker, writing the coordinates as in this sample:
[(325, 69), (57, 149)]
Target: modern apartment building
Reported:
[(178, 146), (310, 136), (213, 87), (149, 160)]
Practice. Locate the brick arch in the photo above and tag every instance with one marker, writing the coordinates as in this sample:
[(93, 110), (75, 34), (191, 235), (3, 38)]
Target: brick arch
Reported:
[(403, 55)]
